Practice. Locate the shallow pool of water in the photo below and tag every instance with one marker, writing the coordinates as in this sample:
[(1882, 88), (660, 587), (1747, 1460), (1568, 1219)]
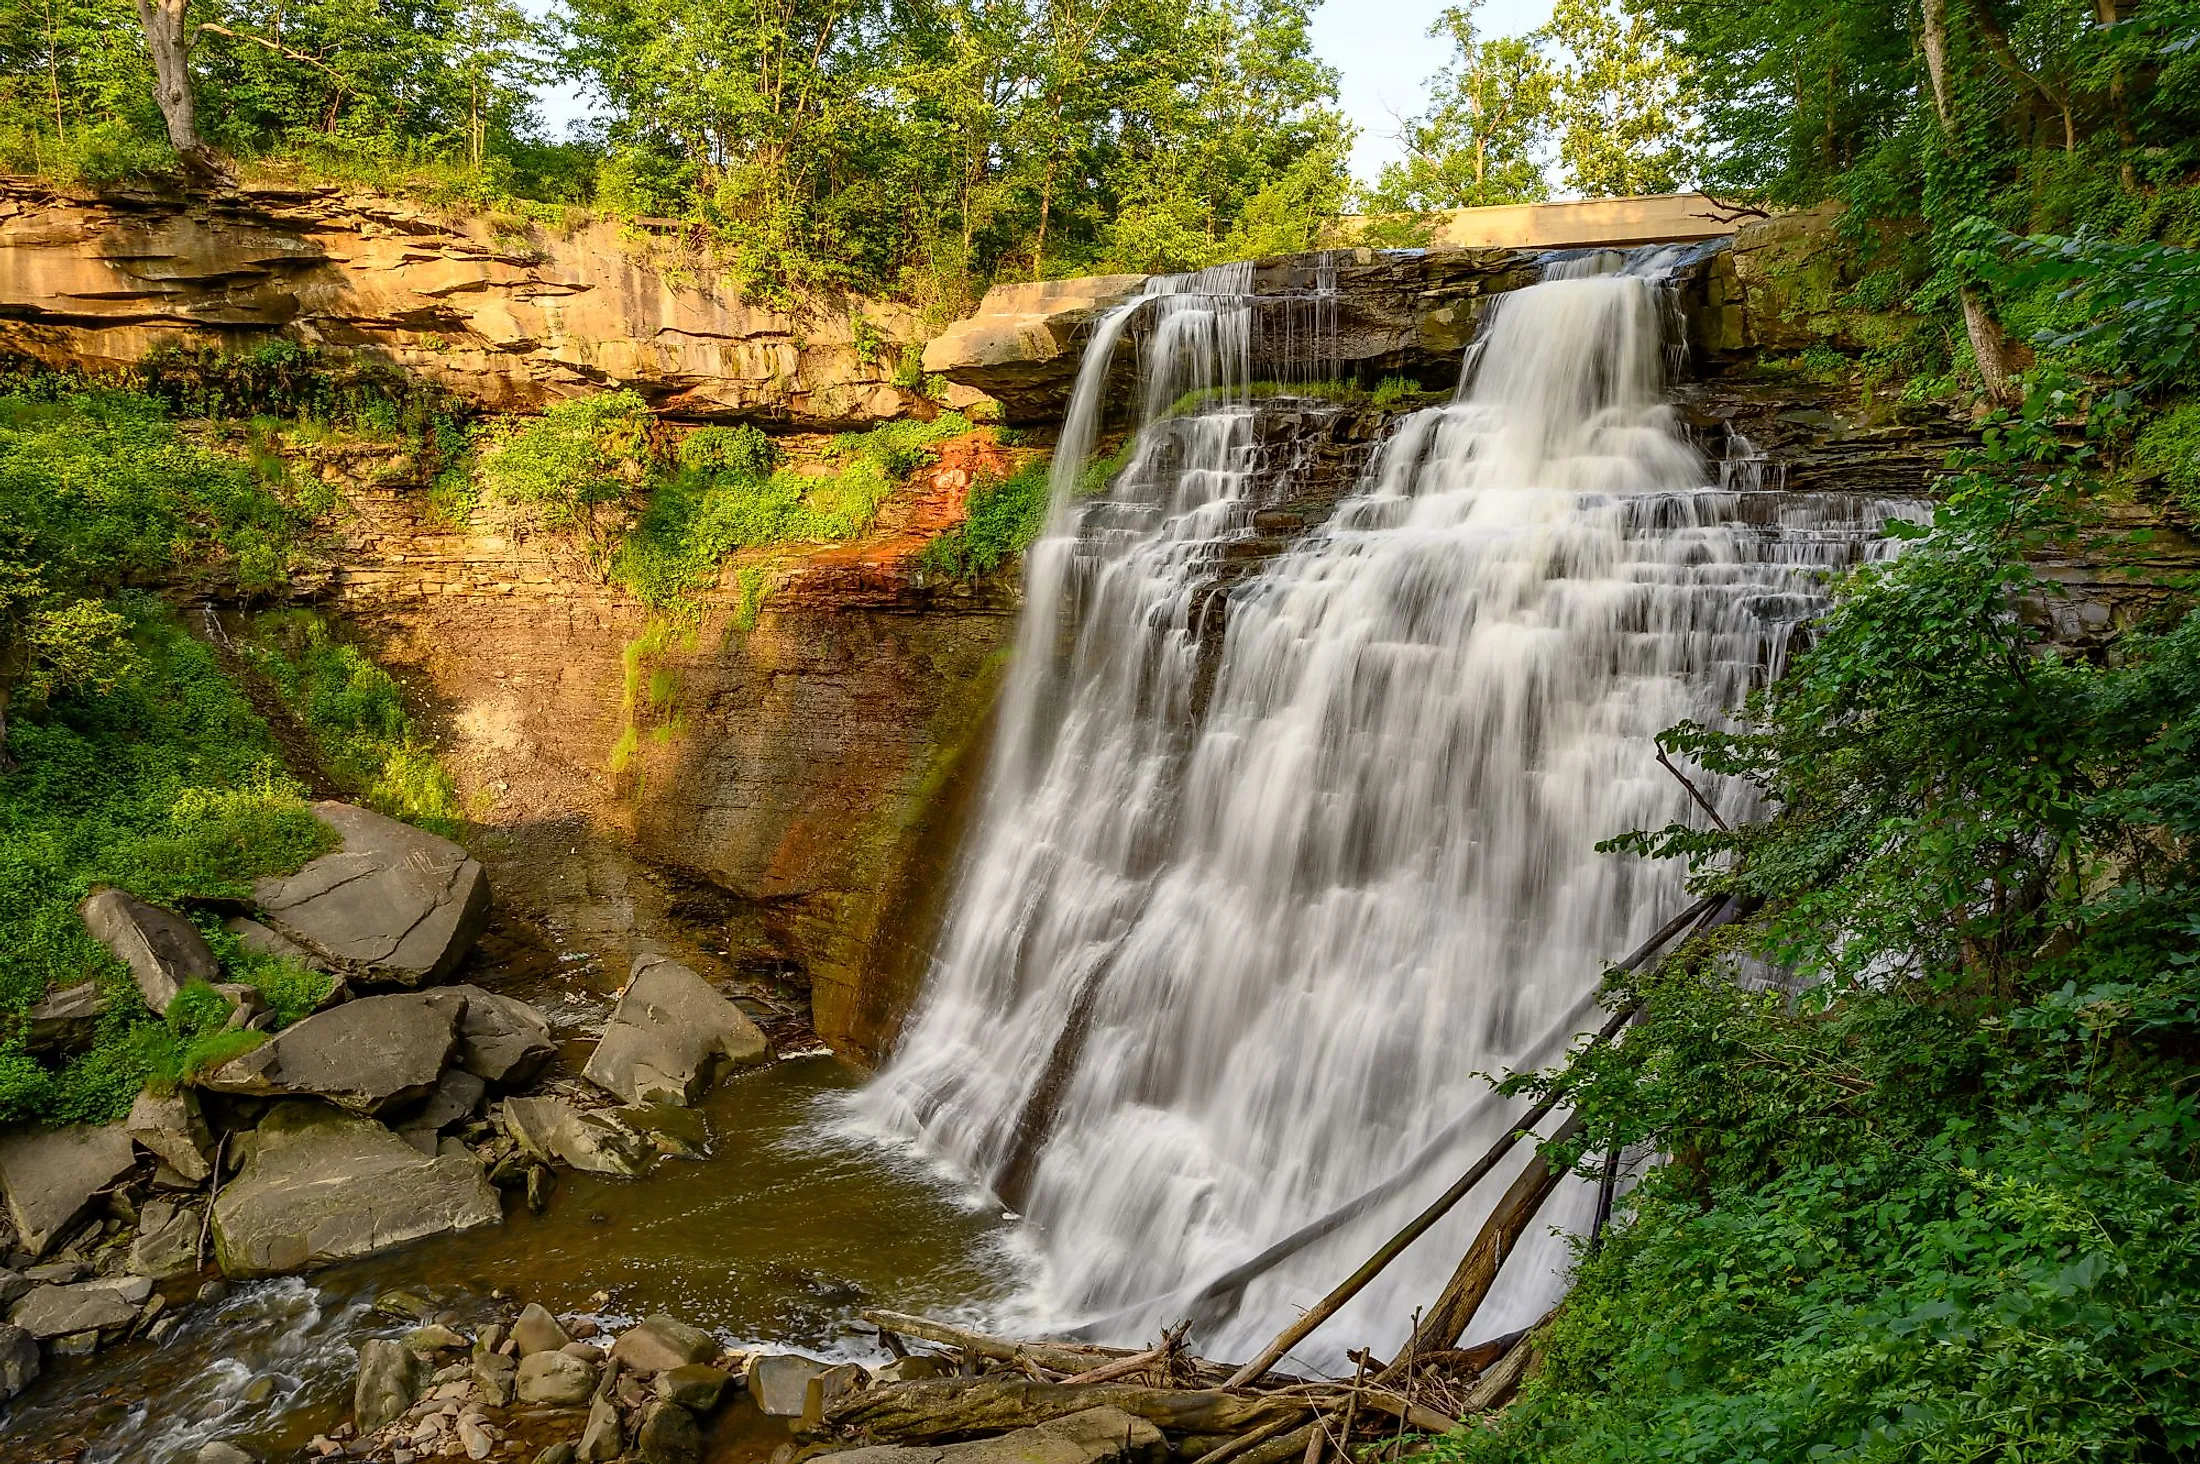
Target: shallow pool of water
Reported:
[(793, 1224)]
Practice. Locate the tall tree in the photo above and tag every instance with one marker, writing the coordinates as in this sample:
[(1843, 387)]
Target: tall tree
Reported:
[(1490, 112), (1626, 105)]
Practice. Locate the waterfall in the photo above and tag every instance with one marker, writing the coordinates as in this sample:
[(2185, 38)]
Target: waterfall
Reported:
[(1246, 919)]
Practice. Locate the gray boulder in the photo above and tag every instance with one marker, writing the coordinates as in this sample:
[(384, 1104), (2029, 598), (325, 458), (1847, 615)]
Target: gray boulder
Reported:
[(671, 1037), (696, 1386), (167, 1241), (159, 946), (63, 1311), (322, 1186), (369, 1056), (393, 904), (1094, 1436), (668, 1435), (661, 1343), (602, 1439), (261, 941), (49, 1176), (780, 1381), (553, 1130), (554, 1379), (173, 1130), (66, 1020), (538, 1331), (18, 1360), (503, 1041), (389, 1379), (457, 1097), (222, 1452)]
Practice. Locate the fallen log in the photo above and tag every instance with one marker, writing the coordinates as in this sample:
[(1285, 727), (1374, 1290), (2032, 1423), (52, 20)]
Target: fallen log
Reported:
[(1498, 1385), (948, 1409), (1061, 1357), (1447, 1321), (1223, 1453)]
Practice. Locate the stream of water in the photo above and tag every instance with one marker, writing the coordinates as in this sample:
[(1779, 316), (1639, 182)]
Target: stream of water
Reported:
[(1225, 956)]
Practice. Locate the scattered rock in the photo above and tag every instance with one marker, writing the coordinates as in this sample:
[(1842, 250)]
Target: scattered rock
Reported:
[(779, 1381), (219, 1452), (174, 1131), (395, 903), (495, 1377), (14, 1286), (660, 1343), (1090, 1437), (159, 946), (551, 1128), (248, 1007), (55, 1273), (601, 1440), (323, 1186), (167, 1241), (538, 1331), (67, 1020), (457, 1096), (62, 1311), (18, 1360), (473, 1437), (503, 1041), (261, 941), (561, 1453), (670, 1036), (828, 1387), (389, 1380), (76, 1344), (370, 1055), (696, 1387), (587, 1352), (49, 1176), (434, 1337), (668, 1435), (555, 1379)]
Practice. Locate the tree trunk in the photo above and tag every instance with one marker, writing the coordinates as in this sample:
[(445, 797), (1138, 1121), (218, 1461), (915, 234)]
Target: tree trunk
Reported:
[(1978, 322), (1447, 1321), (170, 45)]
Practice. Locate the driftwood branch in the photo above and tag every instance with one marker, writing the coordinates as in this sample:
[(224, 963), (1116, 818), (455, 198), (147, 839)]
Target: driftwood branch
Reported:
[(1470, 1284), (1062, 1357)]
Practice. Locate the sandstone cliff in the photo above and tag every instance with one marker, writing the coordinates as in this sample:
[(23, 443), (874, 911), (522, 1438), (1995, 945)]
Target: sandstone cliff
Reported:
[(508, 314)]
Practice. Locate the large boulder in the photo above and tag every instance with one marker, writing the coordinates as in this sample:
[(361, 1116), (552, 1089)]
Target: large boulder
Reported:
[(553, 1130), (394, 904), (556, 1379), (167, 1241), (66, 1020), (64, 1311), (18, 1360), (171, 1129), (159, 946), (503, 1041), (369, 1055), (660, 1343), (389, 1379), (50, 1176), (322, 1186), (1091, 1437), (1024, 344), (671, 1036)]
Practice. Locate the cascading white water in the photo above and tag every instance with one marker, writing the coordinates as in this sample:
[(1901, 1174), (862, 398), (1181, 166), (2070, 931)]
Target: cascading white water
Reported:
[(1226, 956)]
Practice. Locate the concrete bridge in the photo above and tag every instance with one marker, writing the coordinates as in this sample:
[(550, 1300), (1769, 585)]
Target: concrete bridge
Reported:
[(1655, 218)]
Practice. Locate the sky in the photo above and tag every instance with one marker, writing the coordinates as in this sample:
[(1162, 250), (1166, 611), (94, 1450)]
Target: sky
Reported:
[(1384, 53), (1381, 49)]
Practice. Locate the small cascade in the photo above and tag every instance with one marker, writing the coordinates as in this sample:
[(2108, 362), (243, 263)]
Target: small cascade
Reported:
[(1247, 915)]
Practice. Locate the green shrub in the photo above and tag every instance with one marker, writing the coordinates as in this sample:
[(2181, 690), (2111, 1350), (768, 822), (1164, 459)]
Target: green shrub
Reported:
[(2169, 445), (356, 713), (1004, 516), (575, 466), (743, 452), (166, 785)]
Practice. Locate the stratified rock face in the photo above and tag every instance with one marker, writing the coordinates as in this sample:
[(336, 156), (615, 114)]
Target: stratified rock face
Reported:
[(510, 323), (371, 1055), (49, 1176), (671, 1036), (394, 904), (322, 1186), (1347, 312), (159, 946), (1023, 345)]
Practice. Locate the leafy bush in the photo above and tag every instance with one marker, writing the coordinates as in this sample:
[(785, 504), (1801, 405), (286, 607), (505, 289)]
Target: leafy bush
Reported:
[(285, 380), (167, 786), (576, 465), (356, 713), (2169, 445), (1004, 516)]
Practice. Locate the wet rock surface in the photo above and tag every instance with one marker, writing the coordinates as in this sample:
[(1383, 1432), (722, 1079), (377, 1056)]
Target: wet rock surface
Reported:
[(322, 1186), (49, 1177)]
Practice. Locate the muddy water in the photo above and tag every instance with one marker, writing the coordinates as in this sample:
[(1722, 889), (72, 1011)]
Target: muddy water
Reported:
[(792, 1224)]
